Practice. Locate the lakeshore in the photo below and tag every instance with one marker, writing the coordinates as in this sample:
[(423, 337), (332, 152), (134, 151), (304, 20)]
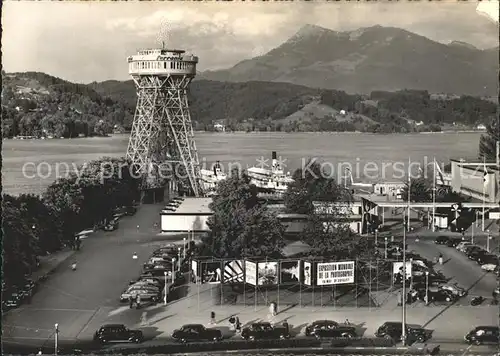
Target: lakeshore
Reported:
[(243, 149)]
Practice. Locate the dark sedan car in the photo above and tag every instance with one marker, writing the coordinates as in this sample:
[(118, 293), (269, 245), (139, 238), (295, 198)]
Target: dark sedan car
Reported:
[(453, 241), (475, 255), (259, 331), (329, 328), (441, 240), (393, 330), (483, 335), (196, 332), (117, 333)]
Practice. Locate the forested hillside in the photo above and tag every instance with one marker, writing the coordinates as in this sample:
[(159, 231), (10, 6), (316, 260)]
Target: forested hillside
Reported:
[(37, 104), (287, 107)]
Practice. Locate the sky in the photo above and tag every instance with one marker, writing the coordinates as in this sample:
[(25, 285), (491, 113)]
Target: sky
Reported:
[(90, 41)]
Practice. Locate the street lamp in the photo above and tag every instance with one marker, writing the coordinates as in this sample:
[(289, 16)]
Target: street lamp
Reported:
[(411, 273), (426, 287), (376, 237), (488, 241), (184, 252), (385, 247), (56, 336), (165, 289), (173, 270), (179, 260)]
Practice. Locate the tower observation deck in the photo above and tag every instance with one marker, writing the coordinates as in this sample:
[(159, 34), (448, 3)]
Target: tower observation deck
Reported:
[(161, 145)]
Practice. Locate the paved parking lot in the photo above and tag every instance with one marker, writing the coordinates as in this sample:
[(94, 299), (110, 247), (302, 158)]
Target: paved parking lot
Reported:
[(82, 300)]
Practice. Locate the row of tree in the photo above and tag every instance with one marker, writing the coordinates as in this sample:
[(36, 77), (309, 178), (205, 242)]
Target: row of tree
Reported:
[(242, 226), (37, 225)]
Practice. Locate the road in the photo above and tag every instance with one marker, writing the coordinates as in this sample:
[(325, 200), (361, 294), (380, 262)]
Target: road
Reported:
[(457, 266), (80, 301)]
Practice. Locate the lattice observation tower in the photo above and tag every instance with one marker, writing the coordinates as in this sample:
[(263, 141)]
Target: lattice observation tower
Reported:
[(162, 145)]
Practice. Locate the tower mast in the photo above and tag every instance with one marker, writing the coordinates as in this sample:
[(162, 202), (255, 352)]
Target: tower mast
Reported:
[(161, 145)]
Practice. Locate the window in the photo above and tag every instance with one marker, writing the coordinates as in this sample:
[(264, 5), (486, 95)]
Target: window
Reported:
[(164, 65), (171, 65)]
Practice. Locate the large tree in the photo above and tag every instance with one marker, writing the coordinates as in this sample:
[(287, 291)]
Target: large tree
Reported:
[(488, 142), (327, 230), (313, 183), (241, 226), (420, 190)]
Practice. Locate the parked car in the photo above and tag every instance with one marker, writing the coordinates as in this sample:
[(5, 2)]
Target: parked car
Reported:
[(117, 333), (483, 335), (146, 295), (394, 329), (470, 248), (442, 295), (463, 245), (487, 258), (130, 210), (196, 332), (441, 240), (111, 226), (454, 289), (263, 330), (453, 241), (489, 267), (476, 255), (329, 328)]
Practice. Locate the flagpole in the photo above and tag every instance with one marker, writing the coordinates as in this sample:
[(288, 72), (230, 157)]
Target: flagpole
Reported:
[(409, 191), (484, 191), (434, 196)]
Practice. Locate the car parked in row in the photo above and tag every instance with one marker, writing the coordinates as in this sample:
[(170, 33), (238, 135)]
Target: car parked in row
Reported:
[(196, 332), (263, 330), (117, 333), (393, 330), (147, 295), (329, 328), (483, 335)]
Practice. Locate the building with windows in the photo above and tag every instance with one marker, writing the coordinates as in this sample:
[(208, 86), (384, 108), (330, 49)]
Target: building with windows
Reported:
[(475, 179)]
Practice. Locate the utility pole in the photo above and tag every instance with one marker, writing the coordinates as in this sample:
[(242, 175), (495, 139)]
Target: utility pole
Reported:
[(409, 192), (434, 196), (485, 176)]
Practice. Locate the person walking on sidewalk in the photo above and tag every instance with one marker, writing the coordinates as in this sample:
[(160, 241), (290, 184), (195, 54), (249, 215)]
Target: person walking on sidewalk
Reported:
[(440, 259), (138, 301), (400, 299), (130, 301), (212, 318)]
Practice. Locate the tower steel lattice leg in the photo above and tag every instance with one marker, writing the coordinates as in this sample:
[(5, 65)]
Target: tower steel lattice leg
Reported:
[(162, 138)]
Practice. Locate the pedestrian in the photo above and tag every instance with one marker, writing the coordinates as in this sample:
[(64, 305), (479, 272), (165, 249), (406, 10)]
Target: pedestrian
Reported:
[(275, 308), (238, 325), (40, 352), (286, 326), (212, 318), (441, 259), (232, 321), (138, 302), (347, 322), (400, 299), (130, 301)]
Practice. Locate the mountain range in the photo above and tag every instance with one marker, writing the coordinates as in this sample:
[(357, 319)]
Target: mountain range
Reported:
[(367, 59)]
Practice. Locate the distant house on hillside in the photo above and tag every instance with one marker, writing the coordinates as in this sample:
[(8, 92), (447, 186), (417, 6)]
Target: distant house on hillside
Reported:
[(219, 127)]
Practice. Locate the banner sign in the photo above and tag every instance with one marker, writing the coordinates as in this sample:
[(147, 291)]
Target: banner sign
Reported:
[(211, 272), (335, 273), (251, 273), (233, 272), (397, 269), (194, 269), (307, 273), (289, 272), (267, 273)]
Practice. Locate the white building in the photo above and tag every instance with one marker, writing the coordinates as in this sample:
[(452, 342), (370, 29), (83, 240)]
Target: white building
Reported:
[(475, 179)]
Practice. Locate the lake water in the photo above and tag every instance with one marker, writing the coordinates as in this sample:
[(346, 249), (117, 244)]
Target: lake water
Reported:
[(372, 157)]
